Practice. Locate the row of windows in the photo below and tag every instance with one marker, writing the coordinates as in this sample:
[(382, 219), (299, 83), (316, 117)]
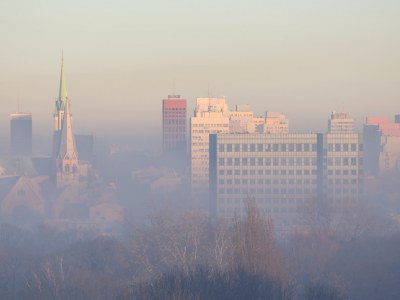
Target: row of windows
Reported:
[(268, 161), (344, 172), (344, 181), (174, 122), (344, 161), (286, 172), (275, 191), (210, 125), (267, 147), (265, 200), (267, 181), (268, 172), (344, 147)]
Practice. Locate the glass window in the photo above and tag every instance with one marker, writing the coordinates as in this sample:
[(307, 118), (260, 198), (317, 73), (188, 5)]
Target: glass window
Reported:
[(244, 161), (337, 147), (338, 161), (275, 147), (291, 147), (299, 147), (237, 147), (283, 147), (306, 147), (237, 161), (268, 161), (346, 147), (228, 147), (283, 161), (221, 147), (252, 147), (244, 147), (260, 147), (299, 161), (353, 147), (276, 161), (252, 161), (260, 161), (221, 161)]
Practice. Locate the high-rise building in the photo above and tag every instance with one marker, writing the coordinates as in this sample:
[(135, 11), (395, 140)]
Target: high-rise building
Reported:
[(174, 110), (382, 146), (340, 122), (211, 115), (284, 172), (21, 133), (276, 123), (343, 168)]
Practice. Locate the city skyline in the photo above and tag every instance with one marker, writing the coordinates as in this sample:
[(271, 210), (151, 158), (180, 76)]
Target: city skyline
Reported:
[(304, 60)]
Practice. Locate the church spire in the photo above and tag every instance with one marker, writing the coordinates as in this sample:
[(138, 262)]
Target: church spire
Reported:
[(62, 93)]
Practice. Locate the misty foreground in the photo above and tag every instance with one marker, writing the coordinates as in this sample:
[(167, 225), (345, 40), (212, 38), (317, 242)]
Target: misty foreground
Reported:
[(190, 256)]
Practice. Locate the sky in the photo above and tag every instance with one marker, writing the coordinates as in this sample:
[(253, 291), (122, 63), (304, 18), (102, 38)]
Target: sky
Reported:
[(302, 58)]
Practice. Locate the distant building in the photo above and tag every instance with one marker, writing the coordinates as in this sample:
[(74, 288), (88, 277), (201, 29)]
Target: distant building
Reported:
[(276, 123), (174, 111), (382, 146), (284, 172), (21, 133), (85, 146), (340, 122), (211, 115), (397, 119)]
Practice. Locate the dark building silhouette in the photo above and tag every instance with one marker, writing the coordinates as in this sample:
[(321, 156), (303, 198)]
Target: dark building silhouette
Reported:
[(85, 146), (174, 125), (21, 133)]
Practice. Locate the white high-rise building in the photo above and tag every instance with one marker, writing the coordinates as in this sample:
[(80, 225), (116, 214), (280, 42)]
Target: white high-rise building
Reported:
[(340, 122), (211, 115)]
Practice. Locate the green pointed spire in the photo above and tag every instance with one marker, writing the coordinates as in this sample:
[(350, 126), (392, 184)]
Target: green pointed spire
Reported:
[(62, 95)]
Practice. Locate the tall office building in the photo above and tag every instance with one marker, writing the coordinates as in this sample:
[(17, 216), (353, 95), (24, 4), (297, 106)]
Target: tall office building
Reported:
[(275, 122), (211, 115), (283, 172), (343, 169), (21, 133), (174, 110), (340, 122), (382, 146)]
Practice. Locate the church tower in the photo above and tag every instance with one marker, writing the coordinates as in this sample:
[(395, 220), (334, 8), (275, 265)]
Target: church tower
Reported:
[(59, 110), (64, 148)]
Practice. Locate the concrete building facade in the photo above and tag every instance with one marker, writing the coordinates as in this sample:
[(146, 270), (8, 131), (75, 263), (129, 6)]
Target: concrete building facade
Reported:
[(174, 129), (340, 122), (283, 172)]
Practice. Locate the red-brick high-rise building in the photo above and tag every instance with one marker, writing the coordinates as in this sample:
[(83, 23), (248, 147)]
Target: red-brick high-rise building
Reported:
[(174, 124)]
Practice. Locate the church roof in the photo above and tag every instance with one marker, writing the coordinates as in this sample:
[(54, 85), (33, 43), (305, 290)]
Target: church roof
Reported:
[(67, 139)]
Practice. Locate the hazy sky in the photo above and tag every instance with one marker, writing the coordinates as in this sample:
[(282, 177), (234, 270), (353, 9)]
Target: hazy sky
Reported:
[(301, 57)]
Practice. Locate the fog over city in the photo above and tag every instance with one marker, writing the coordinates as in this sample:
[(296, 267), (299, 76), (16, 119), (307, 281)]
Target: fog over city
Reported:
[(200, 149)]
